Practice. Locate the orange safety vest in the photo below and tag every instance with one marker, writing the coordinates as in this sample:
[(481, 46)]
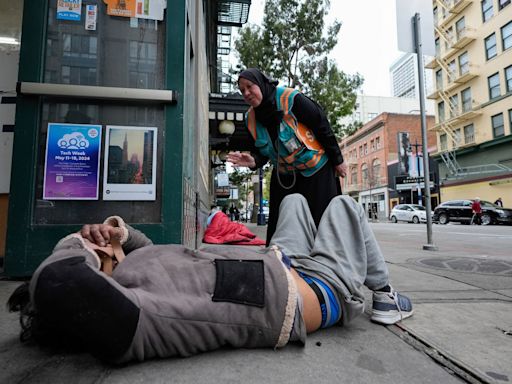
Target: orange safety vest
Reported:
[(297, 145)]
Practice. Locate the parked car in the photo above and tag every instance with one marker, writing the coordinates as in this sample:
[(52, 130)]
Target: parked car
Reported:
[(412, 213), (460, 211)]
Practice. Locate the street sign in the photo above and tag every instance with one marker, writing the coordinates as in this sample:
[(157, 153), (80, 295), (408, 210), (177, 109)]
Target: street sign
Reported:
[(405, 11)]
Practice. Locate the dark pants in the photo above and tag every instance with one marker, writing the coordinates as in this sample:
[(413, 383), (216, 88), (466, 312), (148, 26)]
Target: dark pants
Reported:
[(318, 190)]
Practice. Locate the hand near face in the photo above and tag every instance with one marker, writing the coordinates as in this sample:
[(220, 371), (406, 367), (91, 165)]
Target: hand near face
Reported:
[(241, 159)]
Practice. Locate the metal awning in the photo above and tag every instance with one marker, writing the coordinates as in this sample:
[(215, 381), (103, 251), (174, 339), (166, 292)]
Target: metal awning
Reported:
[(233, 13)]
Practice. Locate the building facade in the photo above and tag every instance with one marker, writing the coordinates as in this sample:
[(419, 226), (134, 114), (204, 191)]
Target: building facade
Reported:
[(383, 149), (472, 92), (404, 77)]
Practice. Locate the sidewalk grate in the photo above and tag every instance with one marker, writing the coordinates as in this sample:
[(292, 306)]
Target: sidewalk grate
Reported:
[(467, 265)]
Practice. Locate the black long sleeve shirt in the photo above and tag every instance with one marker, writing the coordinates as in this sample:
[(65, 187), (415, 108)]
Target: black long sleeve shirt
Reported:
[(312, 115)]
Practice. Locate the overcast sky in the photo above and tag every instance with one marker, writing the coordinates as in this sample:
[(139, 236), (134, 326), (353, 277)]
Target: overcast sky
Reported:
[(367, 41)]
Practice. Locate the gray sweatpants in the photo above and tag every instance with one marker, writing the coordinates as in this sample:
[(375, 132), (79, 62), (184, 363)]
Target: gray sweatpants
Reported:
[(342, 250)]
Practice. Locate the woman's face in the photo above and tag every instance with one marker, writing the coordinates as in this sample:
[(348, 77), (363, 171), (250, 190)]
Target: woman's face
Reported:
[(251, 92)]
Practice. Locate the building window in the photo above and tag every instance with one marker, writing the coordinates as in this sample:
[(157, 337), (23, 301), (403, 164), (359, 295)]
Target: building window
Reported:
[(372, 145), (440, 111), (465, 96), (490, 46), (443, 142), (460, 27), (451, 70), (376, 172), (457, 137), (364, 174), (502, 4), (506, 36), (436, 16), (508, 78), (377, 142), (498, 128), (365, 146), (439, 80), (469, 134), (437, 47), (494, 86), (454, 105), (353, 176), (487, 10), (372, 115), (510, 120), (463, 63), (360, 151)]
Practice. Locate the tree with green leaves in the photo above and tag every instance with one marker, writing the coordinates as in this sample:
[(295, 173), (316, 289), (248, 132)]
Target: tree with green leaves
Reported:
[(293, 45)]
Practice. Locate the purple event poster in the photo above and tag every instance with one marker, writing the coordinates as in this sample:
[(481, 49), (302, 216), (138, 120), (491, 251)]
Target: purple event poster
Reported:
[(72, 162)]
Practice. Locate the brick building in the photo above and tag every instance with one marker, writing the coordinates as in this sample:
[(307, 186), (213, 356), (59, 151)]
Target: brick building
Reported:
[(383, 150)]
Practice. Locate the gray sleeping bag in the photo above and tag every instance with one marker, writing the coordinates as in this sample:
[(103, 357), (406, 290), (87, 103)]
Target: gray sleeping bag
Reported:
[(166, 300)]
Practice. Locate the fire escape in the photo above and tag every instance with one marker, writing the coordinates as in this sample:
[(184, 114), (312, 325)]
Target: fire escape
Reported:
[(457, 71)]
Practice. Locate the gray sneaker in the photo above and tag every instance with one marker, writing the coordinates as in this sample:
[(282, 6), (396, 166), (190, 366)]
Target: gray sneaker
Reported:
[(390, 307)]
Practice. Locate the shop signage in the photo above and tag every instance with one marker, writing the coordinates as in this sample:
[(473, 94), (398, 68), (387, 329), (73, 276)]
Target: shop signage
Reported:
[(411, 182), (72, 162)]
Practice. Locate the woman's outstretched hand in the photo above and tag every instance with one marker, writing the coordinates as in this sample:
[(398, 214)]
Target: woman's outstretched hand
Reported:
[(99, 234), (241, 159), (341, 169)]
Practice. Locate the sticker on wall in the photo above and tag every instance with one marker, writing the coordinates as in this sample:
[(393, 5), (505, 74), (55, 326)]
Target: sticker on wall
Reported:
[(150, 9), (69, 10), (143, 9), (91, 14), (72, 162), (130, 163), (123, 8)]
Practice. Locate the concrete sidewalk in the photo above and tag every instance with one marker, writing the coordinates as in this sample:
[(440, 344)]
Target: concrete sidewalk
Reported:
[(460, 332)]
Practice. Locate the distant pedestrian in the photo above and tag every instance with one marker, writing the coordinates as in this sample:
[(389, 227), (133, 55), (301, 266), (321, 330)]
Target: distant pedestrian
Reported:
[(499, 202), (476, 207)]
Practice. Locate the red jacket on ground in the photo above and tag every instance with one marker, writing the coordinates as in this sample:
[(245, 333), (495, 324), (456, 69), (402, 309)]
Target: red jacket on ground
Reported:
[(224, 231)]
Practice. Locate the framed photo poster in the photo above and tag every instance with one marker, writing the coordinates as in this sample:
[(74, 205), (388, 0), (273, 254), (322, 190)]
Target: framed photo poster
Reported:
[(130, 163), (71, 169)]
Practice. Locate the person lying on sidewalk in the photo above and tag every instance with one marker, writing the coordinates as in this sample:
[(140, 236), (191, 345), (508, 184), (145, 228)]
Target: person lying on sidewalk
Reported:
[(167, 300)]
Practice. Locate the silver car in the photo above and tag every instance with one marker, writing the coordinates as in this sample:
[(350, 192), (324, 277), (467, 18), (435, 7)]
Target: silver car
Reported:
[(412, 213)]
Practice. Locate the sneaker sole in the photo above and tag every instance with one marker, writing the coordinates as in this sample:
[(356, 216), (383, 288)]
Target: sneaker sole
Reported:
[(389, 318)]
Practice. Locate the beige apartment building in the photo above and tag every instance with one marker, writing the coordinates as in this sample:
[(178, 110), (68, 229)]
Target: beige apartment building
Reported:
[(472, 92)]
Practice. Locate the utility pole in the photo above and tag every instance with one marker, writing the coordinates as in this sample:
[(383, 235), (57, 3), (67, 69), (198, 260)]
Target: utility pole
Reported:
[(416, 20)]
